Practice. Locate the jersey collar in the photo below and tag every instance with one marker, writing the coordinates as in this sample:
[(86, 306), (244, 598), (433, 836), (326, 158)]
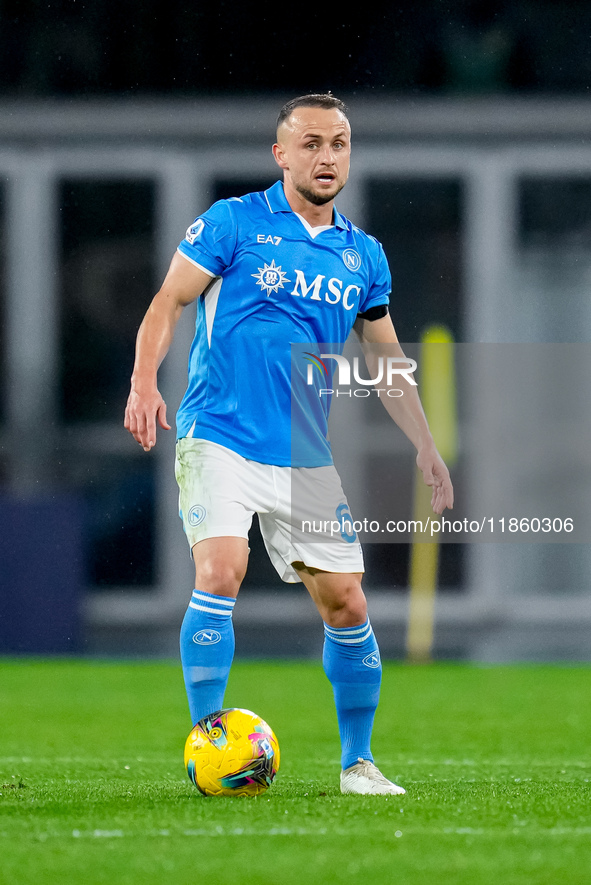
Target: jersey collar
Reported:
[(277, 202)]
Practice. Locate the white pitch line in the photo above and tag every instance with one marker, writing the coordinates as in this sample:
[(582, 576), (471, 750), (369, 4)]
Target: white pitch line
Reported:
[(506, 763), (398, 763), (249, 832), (85, 760)]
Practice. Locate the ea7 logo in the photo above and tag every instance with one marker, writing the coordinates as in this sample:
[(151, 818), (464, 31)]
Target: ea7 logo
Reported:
[(267, 238)]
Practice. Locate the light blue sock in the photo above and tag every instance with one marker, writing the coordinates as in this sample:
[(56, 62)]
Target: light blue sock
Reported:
[(352, 663), (207, 650)]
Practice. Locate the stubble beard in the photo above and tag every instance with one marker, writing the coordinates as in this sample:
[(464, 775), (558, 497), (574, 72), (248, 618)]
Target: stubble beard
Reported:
[(317, 199)]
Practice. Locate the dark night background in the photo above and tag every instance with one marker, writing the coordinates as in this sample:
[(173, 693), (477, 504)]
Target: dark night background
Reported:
[(139, 47)]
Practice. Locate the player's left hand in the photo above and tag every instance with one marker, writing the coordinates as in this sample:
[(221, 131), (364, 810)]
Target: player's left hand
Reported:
[(436, 475)]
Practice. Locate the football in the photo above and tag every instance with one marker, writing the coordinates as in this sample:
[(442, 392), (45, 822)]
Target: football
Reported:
[(232, 753)]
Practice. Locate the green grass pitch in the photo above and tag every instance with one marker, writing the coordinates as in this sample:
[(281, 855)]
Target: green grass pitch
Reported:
[(496, 762)]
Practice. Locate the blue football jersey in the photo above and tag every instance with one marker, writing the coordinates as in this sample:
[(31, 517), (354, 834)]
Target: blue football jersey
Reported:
[(275, 282)]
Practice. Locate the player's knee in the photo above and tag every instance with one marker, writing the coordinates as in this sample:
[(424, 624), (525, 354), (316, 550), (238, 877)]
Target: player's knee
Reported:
[(214, 575), (348, 607)]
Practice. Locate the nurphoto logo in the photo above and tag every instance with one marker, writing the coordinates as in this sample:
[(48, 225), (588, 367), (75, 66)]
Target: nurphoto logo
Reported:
[(387, 369)]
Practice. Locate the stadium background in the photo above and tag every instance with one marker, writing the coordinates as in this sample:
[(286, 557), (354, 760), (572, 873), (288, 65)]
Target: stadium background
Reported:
[(471, 163)]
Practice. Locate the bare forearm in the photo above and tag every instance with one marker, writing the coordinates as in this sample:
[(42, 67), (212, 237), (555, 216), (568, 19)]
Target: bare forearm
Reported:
[(153, 341), (379, 339), (145, 407), (183, 284), (404, 406), (407, 412), (399, 397)]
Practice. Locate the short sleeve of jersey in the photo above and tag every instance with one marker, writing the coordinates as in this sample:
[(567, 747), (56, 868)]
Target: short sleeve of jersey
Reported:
[(211, 240), (380, 284)]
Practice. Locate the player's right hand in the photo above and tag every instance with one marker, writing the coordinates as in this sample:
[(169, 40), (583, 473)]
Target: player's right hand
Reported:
[(141, 413)]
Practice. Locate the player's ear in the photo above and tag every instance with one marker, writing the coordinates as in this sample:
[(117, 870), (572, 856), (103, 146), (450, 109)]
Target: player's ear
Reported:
[(279, 154)]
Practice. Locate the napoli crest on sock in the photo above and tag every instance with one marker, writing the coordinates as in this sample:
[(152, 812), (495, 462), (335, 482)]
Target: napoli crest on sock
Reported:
[(372, 660), (207, 637)]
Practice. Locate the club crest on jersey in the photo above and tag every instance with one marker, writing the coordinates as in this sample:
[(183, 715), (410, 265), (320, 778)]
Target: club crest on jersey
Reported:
[(352, 259), (270, 278)]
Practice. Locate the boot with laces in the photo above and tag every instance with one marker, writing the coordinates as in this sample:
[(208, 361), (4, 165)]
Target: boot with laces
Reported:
[(364, 778)]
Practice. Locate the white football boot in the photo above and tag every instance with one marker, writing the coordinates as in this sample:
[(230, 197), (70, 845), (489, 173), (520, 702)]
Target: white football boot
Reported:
[(366, 779)]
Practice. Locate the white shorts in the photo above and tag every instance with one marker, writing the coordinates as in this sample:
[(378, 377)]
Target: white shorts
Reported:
[(303, 512)]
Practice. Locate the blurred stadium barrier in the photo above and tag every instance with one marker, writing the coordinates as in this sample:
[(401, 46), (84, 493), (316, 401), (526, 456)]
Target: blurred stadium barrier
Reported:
[(488, 240)]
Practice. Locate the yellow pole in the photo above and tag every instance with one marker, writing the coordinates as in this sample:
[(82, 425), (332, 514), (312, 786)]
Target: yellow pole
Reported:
[(438, 395)]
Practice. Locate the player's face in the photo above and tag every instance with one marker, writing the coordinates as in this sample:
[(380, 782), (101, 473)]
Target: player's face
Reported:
[(314, 150)]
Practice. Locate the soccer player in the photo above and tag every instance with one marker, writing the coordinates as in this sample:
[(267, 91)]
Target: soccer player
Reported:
[(270, 269)]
